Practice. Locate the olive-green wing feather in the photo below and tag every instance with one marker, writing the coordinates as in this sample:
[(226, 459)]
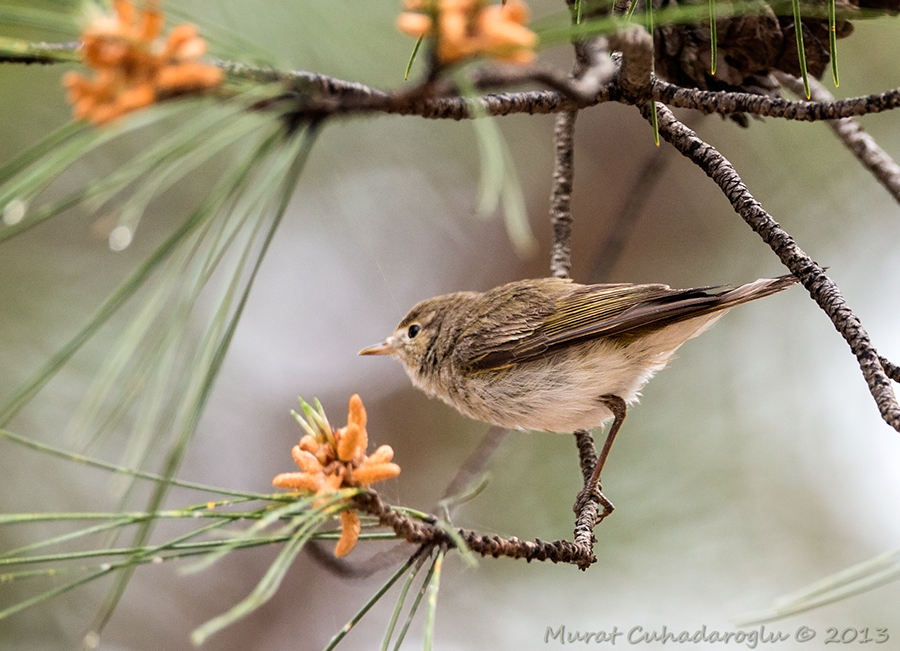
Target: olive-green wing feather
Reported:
[(526, 320), (592, 311)]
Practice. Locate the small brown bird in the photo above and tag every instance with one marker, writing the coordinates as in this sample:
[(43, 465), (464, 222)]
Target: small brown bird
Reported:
[(552, 355)]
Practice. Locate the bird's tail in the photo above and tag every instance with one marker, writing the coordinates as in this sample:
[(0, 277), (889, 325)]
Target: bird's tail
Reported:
[(752, 291)]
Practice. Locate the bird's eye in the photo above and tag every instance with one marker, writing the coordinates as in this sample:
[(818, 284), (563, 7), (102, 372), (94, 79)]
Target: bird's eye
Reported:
[(413, 330)]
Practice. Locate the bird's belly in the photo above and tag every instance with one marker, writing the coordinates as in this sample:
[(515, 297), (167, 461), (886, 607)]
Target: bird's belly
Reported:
[(560, 393)]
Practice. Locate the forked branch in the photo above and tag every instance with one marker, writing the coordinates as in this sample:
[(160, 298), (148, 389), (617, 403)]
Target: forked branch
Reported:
[(820, 287)]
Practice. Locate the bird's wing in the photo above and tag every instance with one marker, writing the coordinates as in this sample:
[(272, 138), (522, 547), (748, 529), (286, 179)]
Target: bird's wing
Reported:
[(579, 313), (587, 312)]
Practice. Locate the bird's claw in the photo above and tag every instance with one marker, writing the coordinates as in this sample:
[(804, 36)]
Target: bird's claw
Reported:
[(587, 495)]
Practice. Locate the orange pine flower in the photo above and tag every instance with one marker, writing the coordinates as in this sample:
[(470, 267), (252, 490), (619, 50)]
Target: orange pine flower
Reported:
[(468, 28), (134, 66), (330, 460), (350, 528)]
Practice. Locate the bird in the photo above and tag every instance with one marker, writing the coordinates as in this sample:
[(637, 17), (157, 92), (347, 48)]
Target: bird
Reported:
[(553, 355)]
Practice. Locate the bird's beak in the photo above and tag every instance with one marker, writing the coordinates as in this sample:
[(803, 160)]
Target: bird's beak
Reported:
[(384, 348)]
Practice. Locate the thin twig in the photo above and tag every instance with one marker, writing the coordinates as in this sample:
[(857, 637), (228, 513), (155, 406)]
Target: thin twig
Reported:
[(421, 532), (774, 107), (636, 48), (581, 91), (339, 97), (594, 68), (561, 196), (588, 516), (821, 288), (470, 470), (587, 453), (890, 369)]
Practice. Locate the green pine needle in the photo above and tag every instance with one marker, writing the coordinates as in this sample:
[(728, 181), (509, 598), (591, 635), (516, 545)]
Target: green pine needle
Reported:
[(498, 184), (46, 449), (265, 589), (401, 600), (242, 212), (346, 628), (415, 606), (713, 39), (412, 58), (630, 13), (211, 355), (860, 578), (832, 41), (654, 120), (433, 588), (801, 51)]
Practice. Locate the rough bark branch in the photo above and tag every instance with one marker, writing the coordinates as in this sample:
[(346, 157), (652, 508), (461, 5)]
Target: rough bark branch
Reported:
[(821, 288), (422, 532), (316, 95), (774, 107), (561, 196)]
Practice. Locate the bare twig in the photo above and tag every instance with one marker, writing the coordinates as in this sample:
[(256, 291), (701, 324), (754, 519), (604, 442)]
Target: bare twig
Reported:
[(587, 453), (582, 91), (421, 532), (594, 68), (636, 47), (890, 369), (473, 466), (775, 107), (821, 288), (561, 196), (588, 516), (317, 96)]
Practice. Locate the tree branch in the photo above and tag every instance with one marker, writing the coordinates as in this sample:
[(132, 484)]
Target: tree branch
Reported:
[(589, 515), (775, 107), (421, 532), (561, 196), (821, 288), (333, 96)]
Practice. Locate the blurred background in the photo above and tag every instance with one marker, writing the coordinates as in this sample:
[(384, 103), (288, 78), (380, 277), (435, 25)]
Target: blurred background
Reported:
[(755, 464)]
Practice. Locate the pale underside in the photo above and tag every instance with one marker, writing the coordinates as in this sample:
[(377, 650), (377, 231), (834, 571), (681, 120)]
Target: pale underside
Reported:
[(562, 392)]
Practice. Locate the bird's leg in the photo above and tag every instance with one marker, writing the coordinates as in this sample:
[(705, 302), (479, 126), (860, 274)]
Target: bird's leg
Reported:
[(592, 484)]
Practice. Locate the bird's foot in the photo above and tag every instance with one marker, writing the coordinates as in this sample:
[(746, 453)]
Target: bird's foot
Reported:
[(592, 494)]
